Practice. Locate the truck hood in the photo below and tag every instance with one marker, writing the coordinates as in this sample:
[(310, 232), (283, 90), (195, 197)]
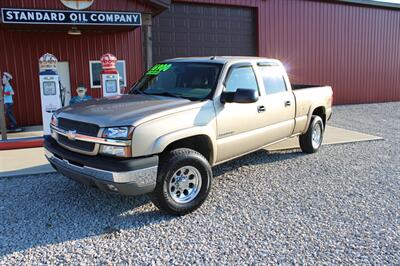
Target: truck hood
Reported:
[(124, 110)]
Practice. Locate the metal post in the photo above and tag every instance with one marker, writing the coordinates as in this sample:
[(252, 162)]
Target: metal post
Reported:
[(147, 40), (3, 126)]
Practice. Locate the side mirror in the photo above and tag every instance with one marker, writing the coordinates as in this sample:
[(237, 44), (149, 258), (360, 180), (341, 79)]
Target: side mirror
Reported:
[(240, 96)]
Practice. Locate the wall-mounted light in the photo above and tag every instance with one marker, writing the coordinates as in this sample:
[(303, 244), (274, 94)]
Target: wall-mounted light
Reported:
[(74, 31)]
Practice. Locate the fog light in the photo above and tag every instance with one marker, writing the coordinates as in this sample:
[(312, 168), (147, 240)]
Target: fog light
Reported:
[(115, 151), (112, 187)]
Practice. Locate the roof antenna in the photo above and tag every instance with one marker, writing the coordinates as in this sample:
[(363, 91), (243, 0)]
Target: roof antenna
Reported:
[(212, 57)]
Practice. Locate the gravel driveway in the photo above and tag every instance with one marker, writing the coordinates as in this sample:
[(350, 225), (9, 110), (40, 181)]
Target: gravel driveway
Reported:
[(341, 205)]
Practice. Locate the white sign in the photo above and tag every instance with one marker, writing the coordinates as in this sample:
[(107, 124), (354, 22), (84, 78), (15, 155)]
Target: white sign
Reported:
[(68, 17)]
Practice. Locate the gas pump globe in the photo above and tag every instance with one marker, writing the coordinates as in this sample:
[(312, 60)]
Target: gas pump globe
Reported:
[(49, 89), (110, 85)]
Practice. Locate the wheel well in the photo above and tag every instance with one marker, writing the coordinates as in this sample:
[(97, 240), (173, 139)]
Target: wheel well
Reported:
[(199, 143), (320, 111)]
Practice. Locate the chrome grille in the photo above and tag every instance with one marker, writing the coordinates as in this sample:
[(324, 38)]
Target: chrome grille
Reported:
[(76, 144), (80, 127)]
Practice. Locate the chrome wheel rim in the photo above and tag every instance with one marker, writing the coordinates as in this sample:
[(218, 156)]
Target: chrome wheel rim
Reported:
[(185, 184), (316, 136)]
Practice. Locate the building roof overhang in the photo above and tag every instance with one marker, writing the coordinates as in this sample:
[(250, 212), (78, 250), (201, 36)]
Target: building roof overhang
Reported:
[(160, 3)]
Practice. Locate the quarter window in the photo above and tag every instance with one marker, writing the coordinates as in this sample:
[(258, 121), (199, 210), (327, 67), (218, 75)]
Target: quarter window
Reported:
[(241, 78), (273, 80)]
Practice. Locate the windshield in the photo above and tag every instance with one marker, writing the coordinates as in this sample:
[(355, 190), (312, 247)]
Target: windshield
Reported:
[(194, 81)]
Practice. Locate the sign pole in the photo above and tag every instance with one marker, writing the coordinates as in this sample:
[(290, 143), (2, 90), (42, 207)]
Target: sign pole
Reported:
[(3, 126)]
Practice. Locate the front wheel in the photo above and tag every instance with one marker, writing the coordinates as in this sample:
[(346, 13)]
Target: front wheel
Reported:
[(183, 182), (311, 141)]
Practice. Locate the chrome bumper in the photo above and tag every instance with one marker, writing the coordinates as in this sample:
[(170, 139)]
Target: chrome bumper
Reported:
[(135, 182)]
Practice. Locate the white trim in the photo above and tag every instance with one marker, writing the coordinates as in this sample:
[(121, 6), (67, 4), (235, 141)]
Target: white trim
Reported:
[(124, 70), (98, 62)]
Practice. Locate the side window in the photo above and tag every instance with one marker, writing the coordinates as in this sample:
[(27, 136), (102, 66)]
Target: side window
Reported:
[(273, 80), (241, 78)]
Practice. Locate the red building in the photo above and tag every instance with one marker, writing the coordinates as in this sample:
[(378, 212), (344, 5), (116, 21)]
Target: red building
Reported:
[(351, 45)]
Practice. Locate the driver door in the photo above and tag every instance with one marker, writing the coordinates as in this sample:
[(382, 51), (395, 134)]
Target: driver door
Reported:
[(238, 124)]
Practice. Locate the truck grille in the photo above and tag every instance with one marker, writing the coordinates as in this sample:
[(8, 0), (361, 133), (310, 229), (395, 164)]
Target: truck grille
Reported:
[(87, 129), (80, 127), (76, 144)]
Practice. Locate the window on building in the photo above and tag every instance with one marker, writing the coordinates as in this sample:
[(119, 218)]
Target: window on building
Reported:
[(95, 72), (273, 80), (241, 78)]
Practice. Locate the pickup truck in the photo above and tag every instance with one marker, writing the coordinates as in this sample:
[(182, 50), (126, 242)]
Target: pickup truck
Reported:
[(183, 117)]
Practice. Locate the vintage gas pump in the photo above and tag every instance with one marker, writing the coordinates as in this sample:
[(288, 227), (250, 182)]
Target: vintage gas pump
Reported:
[(109, 76), (49, 89)]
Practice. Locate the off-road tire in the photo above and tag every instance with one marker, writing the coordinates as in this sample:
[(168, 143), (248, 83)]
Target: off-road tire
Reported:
[(306, 139), (170, 162)]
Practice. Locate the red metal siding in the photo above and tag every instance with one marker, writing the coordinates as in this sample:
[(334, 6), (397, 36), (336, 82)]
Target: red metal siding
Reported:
[(353, 48), (21, 51)]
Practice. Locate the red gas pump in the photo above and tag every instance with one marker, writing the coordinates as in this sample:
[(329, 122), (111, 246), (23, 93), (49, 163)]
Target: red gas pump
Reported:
[(109, 76)]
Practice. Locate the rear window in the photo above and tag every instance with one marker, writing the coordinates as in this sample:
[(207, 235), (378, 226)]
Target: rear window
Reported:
[(274, 82)]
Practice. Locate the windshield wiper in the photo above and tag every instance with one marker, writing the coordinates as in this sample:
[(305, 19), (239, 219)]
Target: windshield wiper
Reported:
[(164, 93)]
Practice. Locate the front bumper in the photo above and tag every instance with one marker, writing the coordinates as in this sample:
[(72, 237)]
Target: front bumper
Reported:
[(127, 177)]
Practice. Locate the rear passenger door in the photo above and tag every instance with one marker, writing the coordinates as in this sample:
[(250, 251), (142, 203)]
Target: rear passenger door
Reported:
[(279, 102)]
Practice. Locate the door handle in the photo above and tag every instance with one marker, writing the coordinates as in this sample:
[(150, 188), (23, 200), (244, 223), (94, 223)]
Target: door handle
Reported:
[(288, 103), (261, 108)]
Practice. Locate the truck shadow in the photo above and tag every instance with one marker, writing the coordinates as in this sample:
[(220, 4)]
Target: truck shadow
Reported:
[(50, 209), (255, 158)]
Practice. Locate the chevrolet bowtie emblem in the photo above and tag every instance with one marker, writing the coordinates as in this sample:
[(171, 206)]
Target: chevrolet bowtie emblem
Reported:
[(71, 134)]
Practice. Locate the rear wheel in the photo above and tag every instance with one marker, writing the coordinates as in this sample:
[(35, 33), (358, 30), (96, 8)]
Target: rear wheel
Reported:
[(311, 141), (183, 182)]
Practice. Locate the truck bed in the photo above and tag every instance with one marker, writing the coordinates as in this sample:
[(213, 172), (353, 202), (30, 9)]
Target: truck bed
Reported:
[(304, 86), (307, 98)]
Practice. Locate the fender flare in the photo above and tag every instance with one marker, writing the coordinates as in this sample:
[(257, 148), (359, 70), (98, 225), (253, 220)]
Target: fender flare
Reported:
[(163, 141), (310, 113)]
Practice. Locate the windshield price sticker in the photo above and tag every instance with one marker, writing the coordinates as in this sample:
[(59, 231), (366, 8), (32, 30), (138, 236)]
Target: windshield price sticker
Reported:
[(157, 69)]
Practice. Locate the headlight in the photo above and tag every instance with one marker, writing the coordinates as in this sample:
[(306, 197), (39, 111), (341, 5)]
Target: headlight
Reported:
[(116, 151), (117, 132)]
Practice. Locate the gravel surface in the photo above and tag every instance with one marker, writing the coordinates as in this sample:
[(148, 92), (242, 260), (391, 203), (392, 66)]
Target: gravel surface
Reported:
[(341, 205)]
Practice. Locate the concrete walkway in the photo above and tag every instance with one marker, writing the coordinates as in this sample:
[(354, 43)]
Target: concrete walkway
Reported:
[(23, 162), (333, 135), (32, 161), (28, 132)]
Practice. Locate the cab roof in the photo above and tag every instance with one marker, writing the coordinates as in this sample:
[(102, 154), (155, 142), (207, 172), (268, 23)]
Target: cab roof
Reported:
[(222, 59)]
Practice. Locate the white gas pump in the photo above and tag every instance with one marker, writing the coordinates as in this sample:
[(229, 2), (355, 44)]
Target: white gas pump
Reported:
[(49, 89), (110, 85)]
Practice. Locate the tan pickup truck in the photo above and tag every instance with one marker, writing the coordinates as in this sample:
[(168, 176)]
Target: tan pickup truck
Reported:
[(181, 118)]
